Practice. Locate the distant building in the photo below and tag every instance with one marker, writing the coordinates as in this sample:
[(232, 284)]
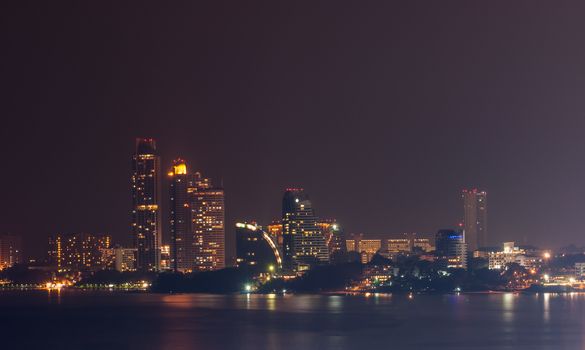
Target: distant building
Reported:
[(423, 244), (509, 254), (303, 242), (350, 245), (451, 249), (182, 252), (484, 252), (165, 257), (366, 247), (208, 215), (78, 252), (125, 259), (275, 231), (119, 259), (399, 245), (396, 244), (580, 269), (10, 250), (475, 218), (256, 247), (146, 211), (333, 234)]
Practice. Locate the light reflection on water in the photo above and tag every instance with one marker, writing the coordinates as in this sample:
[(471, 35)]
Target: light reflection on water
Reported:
[(189, 321)]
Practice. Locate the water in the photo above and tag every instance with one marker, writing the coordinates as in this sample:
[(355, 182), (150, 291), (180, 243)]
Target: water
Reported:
[(82, 320)]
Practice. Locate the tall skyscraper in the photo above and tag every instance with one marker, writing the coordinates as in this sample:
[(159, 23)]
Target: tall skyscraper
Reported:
[(208, 220), (182, 242), (475, 218), (146, 218), (303, 242)]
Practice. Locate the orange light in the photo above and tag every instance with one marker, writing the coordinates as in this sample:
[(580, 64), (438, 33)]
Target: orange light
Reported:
[(180, 169)]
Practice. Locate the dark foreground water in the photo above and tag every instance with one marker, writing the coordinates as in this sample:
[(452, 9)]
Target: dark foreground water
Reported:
[(81, 320)]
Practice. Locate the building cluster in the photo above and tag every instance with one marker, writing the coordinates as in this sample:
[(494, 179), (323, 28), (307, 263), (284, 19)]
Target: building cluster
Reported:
[(525, 256), (449, 247), (389, 246), (196, 214), (298, 241)]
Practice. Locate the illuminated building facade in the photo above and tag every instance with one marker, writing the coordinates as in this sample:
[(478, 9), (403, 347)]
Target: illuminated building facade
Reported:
[(119, 259), (511, 253), (78, 251), (451, 249), (475, 218), (275, 231), (303, 241), (422, 244), (333, 234), (182, 254), (165, 257), (256, 247), (10, 250), (146, 219), (208, 220), (125, 259), (399, 245), (368, 248), (350, 245)]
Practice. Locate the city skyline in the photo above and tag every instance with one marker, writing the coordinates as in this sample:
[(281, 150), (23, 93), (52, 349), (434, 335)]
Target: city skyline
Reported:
[(396, 116), (146, 151)]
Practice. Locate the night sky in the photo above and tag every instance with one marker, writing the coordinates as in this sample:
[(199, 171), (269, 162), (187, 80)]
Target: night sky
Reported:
[(382, 111)]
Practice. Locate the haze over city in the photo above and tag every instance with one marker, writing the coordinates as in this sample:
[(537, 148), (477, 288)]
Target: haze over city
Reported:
[(383, 121)]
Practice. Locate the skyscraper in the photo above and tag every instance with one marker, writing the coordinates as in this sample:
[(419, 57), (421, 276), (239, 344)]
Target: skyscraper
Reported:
[(303, 242), (182, 248), (475, 218), (208, 220), (146, 219)]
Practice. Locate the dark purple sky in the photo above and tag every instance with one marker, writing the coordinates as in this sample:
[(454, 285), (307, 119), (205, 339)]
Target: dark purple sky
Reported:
[(382, 111)]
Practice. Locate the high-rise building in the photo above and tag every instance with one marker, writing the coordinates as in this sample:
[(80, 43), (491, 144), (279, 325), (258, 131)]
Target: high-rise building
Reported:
[(256, 248), (10, 250), (181, 223), (451, 249), (208, 215), (475, 218), (303, 241), (78, 251), (146, 218)]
